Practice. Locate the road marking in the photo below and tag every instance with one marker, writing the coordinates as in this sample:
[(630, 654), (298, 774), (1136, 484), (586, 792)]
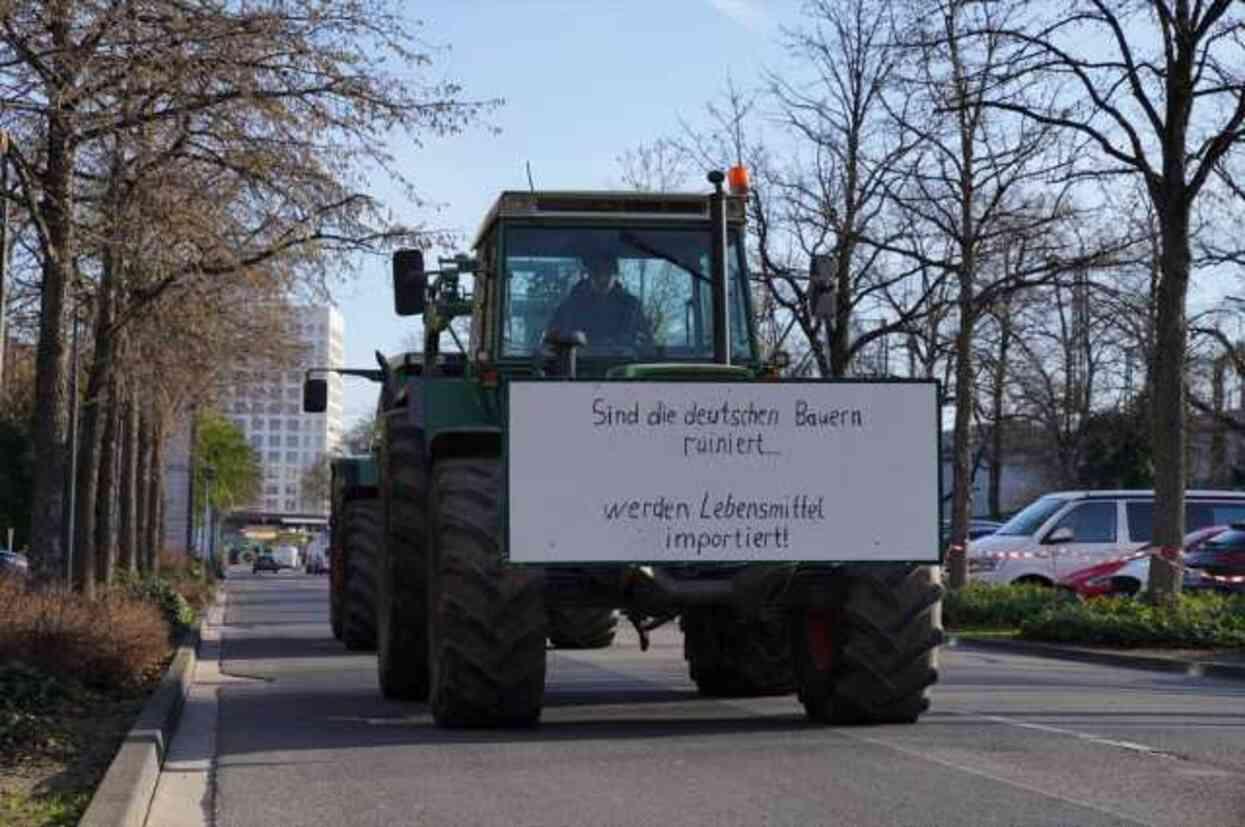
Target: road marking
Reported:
[(1132, 746), (925, 756)]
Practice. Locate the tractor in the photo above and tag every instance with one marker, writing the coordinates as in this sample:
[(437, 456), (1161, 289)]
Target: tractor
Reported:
[(537, 461)]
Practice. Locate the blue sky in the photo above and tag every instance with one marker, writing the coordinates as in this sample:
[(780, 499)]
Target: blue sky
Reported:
[(583, 81)]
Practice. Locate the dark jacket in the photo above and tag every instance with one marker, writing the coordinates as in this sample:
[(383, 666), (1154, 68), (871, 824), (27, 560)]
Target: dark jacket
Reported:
[(614, 318)]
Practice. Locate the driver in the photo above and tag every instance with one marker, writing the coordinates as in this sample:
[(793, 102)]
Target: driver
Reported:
[(602, 308)]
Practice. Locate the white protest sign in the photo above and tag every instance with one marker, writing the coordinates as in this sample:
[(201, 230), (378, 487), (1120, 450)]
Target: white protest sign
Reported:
[(667, 472)]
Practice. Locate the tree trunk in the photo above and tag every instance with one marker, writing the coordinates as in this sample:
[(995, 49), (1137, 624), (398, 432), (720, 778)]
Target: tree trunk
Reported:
[(142, 492), (1168, 404), (998, 395), (155, 498), (129, 485), (51, 428), (88, 482), (106, 503), (962, 443)]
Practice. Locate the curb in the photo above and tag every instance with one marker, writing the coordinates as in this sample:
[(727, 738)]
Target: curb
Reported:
[(1127, 660), (124, 794)]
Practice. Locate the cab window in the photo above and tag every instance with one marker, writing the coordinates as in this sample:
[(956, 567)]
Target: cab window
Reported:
[(1090, 522)]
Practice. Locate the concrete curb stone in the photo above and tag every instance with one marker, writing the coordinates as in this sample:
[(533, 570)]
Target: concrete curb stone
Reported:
[(1125, 659), (124, 795)]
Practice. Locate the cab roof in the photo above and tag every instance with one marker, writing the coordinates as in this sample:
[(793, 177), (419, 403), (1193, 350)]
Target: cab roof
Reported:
[(612, 204)]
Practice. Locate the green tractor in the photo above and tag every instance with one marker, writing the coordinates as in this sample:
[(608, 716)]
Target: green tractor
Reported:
[(605, 436)]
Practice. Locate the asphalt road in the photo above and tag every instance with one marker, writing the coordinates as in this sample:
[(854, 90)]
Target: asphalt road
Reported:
[(304, 738)]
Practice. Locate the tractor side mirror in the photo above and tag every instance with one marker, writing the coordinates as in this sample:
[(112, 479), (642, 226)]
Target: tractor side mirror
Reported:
[(315, 395), (410, 283), (821, 274)]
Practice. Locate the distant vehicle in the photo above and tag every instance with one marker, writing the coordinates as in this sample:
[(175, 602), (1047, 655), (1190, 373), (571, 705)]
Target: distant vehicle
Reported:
[(1218, 564), (1064, 532), (316, 559), (265, 562), (287, 557), (13, 564), (1130, 574)]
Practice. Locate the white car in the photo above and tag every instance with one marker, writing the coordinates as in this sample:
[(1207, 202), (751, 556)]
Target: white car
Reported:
[(1064, 532), (287, 557)]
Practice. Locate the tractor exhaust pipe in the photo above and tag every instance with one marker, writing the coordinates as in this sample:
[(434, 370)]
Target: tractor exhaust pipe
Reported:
[(718, 270)]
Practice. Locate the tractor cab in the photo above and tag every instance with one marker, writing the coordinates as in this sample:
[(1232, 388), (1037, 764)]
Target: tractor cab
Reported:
[(590, 283)]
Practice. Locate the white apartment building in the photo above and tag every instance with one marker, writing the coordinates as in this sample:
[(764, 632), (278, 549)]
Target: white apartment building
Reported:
[(267, 406)]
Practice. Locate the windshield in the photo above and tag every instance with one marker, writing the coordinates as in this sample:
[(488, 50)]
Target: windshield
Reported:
[(641, 293), (1032, 517)]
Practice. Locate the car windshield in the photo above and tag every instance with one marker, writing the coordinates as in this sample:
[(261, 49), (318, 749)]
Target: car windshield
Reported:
[(1031, 518), (634, 292)]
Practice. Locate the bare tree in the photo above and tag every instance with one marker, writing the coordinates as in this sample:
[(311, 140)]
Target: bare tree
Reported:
[(975, 187), (1157, 88), (301, 80)]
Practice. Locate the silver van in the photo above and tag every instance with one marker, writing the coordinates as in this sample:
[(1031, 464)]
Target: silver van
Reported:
[(1069, 530)]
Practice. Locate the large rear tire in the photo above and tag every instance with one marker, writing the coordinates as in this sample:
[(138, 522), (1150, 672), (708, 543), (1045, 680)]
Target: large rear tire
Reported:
[(402, 616), (337, 580), (487, 622), (734, 657), (581, 628), (871, 659), (362, 535)]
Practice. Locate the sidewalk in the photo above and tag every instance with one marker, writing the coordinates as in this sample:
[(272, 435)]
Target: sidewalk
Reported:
[(1227, 663), (185, 791)]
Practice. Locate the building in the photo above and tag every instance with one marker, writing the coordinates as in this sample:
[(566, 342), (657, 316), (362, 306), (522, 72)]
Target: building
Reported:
[(266, 405)]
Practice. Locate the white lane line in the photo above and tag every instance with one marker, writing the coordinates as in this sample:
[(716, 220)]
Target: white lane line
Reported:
[(925, 756), (1083, 736)]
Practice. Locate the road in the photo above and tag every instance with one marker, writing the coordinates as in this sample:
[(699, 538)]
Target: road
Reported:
[(303, 738)]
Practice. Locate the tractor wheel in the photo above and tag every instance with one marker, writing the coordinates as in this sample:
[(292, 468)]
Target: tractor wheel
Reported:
[(581, 628), (733, 657), (870, 659), (361, 535), (487, 625), (336, 588), (402, 616)]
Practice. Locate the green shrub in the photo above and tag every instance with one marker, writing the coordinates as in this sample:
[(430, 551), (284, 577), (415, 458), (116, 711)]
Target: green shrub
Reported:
[(160, 593), (1203, 620), (988, 606)]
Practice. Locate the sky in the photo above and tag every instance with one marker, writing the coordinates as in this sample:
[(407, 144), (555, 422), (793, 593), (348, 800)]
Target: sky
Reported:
[(583, 82)]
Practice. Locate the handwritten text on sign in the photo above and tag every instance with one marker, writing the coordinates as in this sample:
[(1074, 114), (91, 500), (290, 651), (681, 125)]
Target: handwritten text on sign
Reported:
[(700, 471)]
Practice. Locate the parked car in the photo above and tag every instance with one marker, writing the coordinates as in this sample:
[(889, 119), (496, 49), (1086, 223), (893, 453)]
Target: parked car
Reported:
[(1067, 531), (265, 561), (13, 564), (976, 529), (1218, 563), (1129, 574)]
